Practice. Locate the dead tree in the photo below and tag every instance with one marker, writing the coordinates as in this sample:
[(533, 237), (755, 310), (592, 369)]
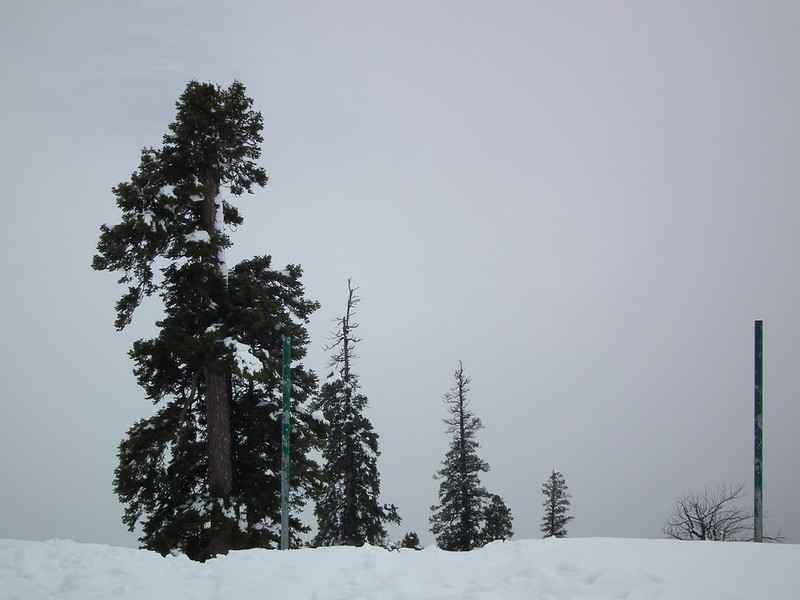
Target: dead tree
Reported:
[(712, 515)]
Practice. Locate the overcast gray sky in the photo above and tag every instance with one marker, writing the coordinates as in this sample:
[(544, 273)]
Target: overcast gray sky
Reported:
[(589, 203)]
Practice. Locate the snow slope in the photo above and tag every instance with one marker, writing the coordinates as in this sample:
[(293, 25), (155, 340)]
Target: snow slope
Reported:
[(530, 569)]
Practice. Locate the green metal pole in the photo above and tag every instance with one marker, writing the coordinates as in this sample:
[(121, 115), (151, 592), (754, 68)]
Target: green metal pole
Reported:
[(285, 429), (758, 462)]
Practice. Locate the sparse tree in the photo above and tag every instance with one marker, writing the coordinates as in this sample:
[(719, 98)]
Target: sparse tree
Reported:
[(712, 515), (556, 506), (457, 521), (199, 476), (497, 521), (349, 512)]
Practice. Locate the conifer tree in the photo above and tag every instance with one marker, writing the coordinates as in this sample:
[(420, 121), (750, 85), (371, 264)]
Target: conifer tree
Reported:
[(349, 512), (411, 540), (457, 521), (199, 476), (497, 521), (556, 506)]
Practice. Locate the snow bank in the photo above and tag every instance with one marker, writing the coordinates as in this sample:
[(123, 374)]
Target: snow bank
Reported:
[(529, 569)]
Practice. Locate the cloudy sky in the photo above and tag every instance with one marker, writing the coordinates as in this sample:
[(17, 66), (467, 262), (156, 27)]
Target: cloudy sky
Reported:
[(589, 203)]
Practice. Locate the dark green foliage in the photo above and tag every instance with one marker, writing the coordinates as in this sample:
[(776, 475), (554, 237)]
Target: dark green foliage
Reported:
[(497, 521), (349, 512), (217, 136), (219, 326), (213, 143), (456, 522), (556, 506), (411, 540)]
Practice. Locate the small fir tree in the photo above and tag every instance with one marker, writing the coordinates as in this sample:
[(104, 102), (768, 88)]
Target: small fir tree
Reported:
[(456, 522), (199, 476), (411, 540), (497, 521), (556, 506), (349, 512)]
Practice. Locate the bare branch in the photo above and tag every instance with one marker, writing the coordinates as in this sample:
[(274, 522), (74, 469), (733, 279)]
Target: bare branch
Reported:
[(712, 515)]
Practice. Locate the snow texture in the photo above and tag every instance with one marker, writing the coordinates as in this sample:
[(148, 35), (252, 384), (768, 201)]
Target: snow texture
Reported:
[(529, 569), (200, 235), (219, 227), (245, 360)]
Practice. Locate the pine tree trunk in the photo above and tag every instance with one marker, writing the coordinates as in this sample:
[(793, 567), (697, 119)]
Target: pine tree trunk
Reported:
[(220, 469), (349, 516), (465, 508), (218, 414), (349, 525)]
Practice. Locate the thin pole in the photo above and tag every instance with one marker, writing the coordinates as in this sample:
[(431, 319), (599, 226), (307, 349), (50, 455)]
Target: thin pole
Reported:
[(287, 406), (758, 462)]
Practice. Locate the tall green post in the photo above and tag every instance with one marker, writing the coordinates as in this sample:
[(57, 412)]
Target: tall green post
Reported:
[(758, 462), (285, 429)]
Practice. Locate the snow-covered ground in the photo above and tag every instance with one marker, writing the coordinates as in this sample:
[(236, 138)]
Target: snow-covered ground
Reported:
[(529, 569)]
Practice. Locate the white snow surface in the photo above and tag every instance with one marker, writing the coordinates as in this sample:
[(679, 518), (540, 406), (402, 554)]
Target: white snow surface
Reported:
[(551, 569)]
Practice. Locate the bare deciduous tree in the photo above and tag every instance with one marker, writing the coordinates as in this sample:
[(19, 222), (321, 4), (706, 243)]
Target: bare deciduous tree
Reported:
[(712, 515)]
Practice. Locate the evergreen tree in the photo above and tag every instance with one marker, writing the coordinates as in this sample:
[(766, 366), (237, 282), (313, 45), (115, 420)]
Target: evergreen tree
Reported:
[(556, 506), (411, 540), (456, 522), (349, 513), (497, 521), (200, 475)]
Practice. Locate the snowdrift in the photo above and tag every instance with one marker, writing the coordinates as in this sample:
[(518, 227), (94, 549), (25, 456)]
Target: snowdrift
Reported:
[(529, 569)]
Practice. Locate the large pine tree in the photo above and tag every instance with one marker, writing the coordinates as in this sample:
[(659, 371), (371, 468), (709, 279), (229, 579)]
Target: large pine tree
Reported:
[(349, 512), (457, 521), (556, 506), (200, 475)]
